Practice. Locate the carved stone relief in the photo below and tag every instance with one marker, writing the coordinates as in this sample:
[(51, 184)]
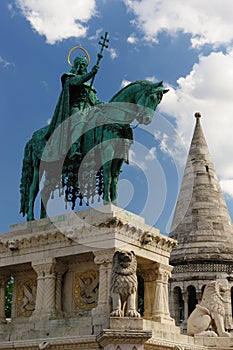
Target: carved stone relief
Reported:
[(86, 287), (25, 297)]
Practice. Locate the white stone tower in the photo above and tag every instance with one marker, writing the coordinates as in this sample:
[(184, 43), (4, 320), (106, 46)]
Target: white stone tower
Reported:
[(203, 228)]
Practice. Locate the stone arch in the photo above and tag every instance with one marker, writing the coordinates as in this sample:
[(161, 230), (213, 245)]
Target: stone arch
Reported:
[(178, 305), (192, 298)]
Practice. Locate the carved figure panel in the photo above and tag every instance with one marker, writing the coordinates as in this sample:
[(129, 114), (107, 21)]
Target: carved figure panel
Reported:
[(86, 290), (25, 297)]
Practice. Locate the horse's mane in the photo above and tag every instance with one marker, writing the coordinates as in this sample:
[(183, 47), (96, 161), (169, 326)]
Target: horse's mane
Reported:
[(140, 82)]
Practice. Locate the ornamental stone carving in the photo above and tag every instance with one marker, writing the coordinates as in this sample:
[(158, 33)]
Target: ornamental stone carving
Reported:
[(26, 297), (86, 290), (210, 312), (124, 284)]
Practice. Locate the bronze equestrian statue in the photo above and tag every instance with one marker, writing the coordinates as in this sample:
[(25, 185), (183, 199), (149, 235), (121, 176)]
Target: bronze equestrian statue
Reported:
[(81, 152)]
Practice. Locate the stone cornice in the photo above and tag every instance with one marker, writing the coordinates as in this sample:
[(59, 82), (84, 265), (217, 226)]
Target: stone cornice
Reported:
[(32, 241), (110, 336), (162, 344), (41, 233), (203, 267), (58, 343)]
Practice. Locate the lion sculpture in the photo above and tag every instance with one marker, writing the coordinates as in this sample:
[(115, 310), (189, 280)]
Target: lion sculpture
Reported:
[(124, 284), (210, 312)]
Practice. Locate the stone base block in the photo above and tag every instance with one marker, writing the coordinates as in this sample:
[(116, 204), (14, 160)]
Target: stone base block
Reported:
[(163, 320), (110, 339), (214, 342), (126, 323)]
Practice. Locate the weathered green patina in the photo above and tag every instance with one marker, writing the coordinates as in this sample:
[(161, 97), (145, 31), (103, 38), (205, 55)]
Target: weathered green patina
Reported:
[(82, 150)]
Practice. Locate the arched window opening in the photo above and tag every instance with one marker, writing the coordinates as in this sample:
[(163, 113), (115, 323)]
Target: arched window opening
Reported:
[(192, 299), (178, 306)]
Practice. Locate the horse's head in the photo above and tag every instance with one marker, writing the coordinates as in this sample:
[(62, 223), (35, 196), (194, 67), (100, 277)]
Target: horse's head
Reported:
[(147, 99)]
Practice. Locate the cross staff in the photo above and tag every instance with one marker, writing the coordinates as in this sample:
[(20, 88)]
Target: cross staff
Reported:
[(100, 54)]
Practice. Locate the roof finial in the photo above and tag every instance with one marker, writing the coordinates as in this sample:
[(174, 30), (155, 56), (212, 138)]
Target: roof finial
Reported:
[(197, 115)]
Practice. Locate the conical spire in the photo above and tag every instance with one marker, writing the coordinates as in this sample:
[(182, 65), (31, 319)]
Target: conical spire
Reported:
[(201, 223)]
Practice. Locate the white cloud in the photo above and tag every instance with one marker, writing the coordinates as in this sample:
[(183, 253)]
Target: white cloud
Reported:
[(207, 89), (207, 22), (5, 63), (58, 20), (113, 53), (227, 187), (152, 78), (151, 155), (125, 83), (136, 159), (132, 39)]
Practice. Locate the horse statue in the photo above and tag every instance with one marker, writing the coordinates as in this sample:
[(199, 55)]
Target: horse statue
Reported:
[(104, 142)]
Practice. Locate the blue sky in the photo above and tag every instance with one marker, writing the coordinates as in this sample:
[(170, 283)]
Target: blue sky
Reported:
[(188, 45)]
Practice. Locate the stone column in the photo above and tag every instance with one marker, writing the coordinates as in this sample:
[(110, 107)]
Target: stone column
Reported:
[(50, 290), (101, 313), (46, 288), (60, 270), (3, 282), (149, 276), (186, 311), (160, 308)]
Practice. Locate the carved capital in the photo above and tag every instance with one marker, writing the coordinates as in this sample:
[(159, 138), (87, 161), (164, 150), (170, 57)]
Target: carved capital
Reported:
[(45, 268), (149, 275), (164, 272), (104, 256)]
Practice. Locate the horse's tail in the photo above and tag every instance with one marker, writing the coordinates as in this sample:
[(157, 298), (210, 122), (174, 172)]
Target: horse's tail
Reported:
[(26, 178)]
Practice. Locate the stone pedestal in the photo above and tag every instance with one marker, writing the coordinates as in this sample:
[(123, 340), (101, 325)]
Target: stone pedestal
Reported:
[(124, 334), (62, 269)]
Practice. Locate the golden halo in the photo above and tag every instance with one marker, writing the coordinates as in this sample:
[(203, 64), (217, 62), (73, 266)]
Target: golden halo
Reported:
[(80, 48)]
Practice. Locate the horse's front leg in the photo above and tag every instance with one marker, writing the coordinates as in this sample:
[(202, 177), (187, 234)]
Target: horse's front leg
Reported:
[(34, 189), (115, 172), (45, 195), (107, 182), (107, 154), (46, 192)]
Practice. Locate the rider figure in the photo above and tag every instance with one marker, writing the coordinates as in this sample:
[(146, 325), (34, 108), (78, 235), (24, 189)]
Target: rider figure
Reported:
[(82, 96), (76, 98)]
